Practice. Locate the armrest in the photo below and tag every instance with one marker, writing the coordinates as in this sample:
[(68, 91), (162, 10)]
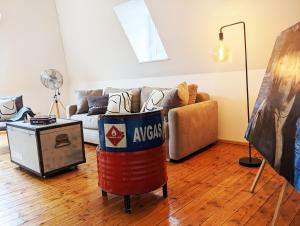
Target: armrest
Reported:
[(192, 127), (71, 110)]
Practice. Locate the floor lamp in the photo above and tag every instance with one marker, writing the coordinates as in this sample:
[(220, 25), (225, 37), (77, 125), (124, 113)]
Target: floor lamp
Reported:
[(222, 57)]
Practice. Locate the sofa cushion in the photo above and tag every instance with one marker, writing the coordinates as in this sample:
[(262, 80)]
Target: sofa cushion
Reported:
[(136, 95), (88, 121), (97, 105), (81, 99), (146, 91), (192, 93), (183, 94), (119, 103), (176, 97), (155, 100)]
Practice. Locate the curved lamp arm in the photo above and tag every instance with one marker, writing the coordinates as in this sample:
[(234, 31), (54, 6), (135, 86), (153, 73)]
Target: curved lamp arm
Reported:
[(221, 37)]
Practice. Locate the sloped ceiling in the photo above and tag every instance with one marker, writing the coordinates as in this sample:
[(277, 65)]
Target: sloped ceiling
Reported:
[(96, 47)]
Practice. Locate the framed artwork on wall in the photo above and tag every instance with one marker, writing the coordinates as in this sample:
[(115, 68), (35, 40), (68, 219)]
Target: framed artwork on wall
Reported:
[(274, 128)]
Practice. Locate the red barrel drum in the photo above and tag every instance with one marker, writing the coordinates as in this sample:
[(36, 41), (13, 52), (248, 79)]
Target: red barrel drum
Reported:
[(132, 156)]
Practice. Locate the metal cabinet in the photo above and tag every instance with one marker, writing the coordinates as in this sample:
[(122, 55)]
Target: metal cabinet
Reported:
[(46, 149)]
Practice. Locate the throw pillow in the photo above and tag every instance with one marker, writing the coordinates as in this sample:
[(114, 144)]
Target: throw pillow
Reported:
[(97, 105), (183, 93), (81, 99), (7, 109), (18, 100), (119, 103), (176, 97), (146, 91), (192, 93), (155, 100), (136, 95)]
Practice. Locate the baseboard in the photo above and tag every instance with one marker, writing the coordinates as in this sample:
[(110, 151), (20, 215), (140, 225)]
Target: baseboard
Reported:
[(233, 142)]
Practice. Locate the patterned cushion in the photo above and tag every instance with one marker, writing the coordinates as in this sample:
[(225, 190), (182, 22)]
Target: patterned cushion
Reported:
[(170, 98), (155, 100), (146, 91), (18, 100), (136, 96), (119, 103), (8, 108)]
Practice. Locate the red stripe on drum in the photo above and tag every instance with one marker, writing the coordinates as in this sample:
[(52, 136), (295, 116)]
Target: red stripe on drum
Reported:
[(130, 173)]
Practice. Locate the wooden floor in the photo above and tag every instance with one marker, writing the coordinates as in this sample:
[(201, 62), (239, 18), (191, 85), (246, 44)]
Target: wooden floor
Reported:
[(208, 189)]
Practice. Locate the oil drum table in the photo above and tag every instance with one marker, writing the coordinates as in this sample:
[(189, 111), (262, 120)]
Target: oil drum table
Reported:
[(131, 157)]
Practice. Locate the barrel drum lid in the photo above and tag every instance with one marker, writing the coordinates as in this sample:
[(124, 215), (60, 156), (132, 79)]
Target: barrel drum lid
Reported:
[(131, 156)]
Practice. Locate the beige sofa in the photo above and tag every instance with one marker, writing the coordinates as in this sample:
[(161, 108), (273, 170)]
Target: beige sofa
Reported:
[(189, 128)]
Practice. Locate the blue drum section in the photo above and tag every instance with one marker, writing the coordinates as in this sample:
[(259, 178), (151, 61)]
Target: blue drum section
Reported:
[(134, 132)]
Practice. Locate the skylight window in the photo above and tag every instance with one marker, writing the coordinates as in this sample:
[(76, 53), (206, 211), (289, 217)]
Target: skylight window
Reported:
[(140, 30)]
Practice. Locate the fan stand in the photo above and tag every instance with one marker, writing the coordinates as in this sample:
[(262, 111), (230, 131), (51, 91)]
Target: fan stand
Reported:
[(55, 104)]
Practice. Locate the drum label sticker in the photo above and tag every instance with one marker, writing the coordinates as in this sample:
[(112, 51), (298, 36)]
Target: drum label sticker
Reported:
[(147, 133), (115, 135)]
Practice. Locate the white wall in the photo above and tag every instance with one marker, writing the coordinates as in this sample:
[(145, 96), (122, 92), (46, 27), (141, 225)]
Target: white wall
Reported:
[(30, 42), (98, 52)]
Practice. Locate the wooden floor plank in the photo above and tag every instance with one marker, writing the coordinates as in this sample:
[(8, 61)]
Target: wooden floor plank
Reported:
[(242, 215), (209, 188), (296, 220), (265, 213)]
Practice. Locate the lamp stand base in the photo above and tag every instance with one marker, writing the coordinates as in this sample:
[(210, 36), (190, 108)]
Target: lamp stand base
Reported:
[(250, 162)]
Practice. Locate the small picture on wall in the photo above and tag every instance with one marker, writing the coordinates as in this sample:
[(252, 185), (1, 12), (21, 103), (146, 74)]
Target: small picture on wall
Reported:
[(274, 128)]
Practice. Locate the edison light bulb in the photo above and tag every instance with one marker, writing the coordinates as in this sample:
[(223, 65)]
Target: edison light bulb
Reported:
[(222, 53)]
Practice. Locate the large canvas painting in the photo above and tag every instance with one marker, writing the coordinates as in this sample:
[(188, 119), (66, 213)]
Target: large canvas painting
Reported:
[(274, 128)]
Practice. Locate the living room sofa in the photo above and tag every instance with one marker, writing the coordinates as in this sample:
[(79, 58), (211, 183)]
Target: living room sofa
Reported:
[(188, 128)]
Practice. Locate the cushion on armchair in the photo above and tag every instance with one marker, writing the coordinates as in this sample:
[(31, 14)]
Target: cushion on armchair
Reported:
[(8, 109), (18, 100)]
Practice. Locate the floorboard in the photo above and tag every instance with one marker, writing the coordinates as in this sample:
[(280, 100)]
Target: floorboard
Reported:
[(209, 188)]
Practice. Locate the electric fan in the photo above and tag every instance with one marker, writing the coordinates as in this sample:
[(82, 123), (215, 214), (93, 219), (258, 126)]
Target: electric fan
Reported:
[(53, 79)]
